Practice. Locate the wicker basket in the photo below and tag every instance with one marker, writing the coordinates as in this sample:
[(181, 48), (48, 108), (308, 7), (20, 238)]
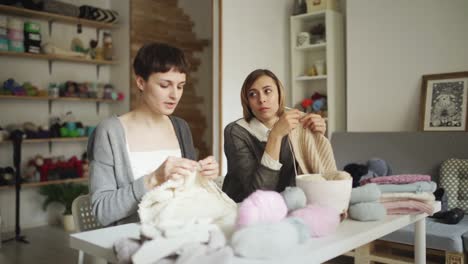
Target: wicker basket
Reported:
[(335, 194)]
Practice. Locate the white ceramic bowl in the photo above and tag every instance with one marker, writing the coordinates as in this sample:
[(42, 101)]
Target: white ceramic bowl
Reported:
[(335, 194)]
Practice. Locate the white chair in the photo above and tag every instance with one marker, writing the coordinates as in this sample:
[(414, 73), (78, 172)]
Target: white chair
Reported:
[(84, 218)]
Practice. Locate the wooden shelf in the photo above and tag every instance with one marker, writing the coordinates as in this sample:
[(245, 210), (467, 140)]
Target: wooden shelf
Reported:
[(320, 46), (51, 17), (310, 16), (37, 184), (49, 98), (52, 57), (49, 140), (311, 78)]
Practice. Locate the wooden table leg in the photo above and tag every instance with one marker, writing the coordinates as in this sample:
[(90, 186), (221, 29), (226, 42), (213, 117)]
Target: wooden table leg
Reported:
[(362, 254)]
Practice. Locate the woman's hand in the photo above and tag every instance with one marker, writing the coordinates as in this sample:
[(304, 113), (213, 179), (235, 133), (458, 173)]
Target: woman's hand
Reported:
[(287, 122), (172, 168), (209, 168), (314, 122)]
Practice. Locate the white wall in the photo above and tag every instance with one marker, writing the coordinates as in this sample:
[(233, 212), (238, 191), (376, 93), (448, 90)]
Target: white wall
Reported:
[(255, 34), (390, 45), (20, 111)]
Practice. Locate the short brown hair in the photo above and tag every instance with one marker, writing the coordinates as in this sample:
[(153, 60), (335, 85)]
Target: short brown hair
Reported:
[(159, 57), (249, 81)]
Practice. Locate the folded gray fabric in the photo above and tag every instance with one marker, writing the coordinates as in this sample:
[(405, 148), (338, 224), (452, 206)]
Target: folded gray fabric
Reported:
[(367, 193), (124, 249), (294, 197), (372, 211), (268, 241), (198, 253), (415, 187)]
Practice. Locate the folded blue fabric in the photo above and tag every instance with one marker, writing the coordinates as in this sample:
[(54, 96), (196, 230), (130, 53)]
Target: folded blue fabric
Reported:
[(372, 211), (415, 187), (367, 193)]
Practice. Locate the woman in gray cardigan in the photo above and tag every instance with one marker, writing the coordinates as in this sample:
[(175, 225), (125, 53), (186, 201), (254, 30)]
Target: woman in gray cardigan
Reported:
[(133, 153), (256, 146)]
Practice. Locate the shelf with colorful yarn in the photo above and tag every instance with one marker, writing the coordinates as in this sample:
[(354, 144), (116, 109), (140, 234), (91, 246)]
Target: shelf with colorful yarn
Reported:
[(37, 184), (49, 141), (40, 171), (51, 17), (54, 57), (51, 99), (63, 129), (317, 66), (24, 39), (68, 91)]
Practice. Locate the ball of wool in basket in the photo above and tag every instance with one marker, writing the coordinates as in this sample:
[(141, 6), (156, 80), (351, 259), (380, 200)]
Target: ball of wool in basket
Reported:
[(321, 220), (294, 197), (261, 207)]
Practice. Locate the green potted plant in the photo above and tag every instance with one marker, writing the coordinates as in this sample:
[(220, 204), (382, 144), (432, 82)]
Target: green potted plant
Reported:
[(63, 194)]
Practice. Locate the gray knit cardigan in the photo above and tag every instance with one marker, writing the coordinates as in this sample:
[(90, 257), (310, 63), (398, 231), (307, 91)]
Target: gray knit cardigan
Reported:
[(114, 192)]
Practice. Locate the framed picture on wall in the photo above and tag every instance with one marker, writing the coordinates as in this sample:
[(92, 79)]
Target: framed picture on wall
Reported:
[(444, 102)]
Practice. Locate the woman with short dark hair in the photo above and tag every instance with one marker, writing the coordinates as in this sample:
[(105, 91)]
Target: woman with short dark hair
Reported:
[(134, 153)]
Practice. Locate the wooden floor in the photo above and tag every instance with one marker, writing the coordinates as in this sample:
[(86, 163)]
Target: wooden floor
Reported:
[(47, 244), (50, 244)]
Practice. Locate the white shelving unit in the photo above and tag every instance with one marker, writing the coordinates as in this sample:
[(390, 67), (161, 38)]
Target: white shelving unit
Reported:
[(332, 82)]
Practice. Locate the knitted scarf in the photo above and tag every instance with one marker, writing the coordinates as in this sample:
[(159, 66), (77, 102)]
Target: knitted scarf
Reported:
[(312, 151), (195, 198)]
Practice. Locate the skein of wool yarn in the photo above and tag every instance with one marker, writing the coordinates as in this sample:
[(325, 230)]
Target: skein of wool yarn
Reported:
[(269, 240), (321, 220), (294, 197), (261, 207)]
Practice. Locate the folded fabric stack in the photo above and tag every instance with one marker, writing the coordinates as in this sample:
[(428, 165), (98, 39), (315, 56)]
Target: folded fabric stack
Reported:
[(3, 33), (32, 37), (405, 193), (15, 35), (98, 14), (365, 205), (83, 11)]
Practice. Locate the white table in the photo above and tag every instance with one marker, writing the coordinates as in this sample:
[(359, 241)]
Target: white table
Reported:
[(350, 235)]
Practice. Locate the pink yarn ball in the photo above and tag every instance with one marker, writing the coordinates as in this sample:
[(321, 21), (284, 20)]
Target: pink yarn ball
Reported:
[(320, 220), (261, 207)]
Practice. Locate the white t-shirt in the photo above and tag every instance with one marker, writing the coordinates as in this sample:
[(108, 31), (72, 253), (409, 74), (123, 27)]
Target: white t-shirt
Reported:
[(145, 162)]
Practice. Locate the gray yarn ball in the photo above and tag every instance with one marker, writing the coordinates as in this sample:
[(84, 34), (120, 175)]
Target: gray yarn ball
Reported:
[(379, 166), (294, 197)]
